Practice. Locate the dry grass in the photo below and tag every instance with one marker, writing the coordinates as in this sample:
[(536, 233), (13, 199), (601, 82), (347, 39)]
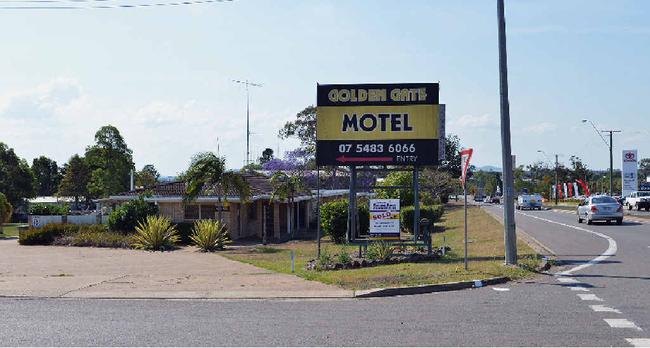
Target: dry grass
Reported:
[(10, 230), (485, 249)]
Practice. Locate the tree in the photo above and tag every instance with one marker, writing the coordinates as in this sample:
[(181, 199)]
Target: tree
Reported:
[(16, 178), (47, 175), (207, 174), (303, 128), (5, 210), (110, 161), (267, 155), (579, 169), (146, 177), (644, 169), (75, 180), (451, 164)]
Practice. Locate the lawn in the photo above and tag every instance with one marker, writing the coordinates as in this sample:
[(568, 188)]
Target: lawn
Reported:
[(485, 249), (10, 230)]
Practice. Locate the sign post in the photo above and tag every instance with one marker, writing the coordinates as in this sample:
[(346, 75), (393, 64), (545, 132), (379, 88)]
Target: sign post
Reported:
[(465, 157), (629, 168), (384, 219)]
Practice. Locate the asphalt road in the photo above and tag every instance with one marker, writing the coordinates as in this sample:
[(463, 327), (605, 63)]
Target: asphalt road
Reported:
[(541, 311)]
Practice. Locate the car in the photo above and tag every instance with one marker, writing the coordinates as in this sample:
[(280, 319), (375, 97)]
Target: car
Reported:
[(478, 197), (487, 199), (600, 208), (526, 201), (638, 200), (496, 199)]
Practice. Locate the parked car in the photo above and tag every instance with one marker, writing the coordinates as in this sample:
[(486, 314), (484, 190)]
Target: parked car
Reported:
[(487, 199), (532, 202), (638, 200), (600, 208), (478, 197), (496, 199)]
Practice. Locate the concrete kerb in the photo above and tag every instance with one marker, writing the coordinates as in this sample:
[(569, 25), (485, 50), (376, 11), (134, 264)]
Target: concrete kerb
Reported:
[(426, 289)]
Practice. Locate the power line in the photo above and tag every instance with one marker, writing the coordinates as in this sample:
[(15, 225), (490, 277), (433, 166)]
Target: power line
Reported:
[(105, 4)]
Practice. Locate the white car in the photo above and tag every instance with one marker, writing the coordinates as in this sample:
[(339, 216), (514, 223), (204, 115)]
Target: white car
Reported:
[(531, 202), (603, 208), (638, 200)]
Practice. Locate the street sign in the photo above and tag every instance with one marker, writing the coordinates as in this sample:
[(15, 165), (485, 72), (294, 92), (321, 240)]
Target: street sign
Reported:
[(384, 219), (465, 157), (378, 124), (629, 169)]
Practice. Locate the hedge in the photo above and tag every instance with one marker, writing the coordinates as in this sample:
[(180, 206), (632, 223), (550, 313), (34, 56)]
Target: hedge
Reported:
[(431, 212), (334, 219), (75, 235), (127, 216), (48, 209), (46, 234)]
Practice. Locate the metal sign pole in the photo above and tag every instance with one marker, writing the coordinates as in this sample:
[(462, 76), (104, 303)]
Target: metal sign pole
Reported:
[(465, 206), (318, 209), (416, 203)]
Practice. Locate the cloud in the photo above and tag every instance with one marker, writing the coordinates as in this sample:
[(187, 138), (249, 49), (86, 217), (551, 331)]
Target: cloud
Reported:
[(471, 121), (540, 128), (41, 102)]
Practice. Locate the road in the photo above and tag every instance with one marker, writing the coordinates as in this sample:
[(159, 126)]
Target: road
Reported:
[(590, 306)]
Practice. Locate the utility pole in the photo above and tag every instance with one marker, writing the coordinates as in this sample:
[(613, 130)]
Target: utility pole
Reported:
[(611, 159), (510, 237), (248, 128), (556, 183)]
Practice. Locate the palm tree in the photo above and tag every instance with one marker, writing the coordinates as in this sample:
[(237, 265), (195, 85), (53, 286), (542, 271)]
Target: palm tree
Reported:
[(207, 173)]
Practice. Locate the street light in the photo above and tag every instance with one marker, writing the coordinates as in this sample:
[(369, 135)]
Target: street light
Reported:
[(556, 179), (611, 154)]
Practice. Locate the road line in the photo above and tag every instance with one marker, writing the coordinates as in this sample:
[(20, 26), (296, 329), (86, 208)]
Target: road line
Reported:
[(501, 289), (611, 249), (589, 297), (622, 324), (578, 288), (601, 308), (639, 342), (566, 280)]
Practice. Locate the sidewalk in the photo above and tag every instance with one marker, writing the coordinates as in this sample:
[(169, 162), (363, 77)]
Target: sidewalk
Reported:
[(49, 271)]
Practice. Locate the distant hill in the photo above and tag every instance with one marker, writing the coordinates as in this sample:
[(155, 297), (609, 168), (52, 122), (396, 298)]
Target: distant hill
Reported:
[(166, 178), (489, 169)]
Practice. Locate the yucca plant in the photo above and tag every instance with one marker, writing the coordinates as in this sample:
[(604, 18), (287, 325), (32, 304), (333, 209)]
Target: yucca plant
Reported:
[(155, 233), (379, 251), (210, 235)]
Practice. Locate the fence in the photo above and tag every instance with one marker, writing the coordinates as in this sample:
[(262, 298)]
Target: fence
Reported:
[(38, 221)]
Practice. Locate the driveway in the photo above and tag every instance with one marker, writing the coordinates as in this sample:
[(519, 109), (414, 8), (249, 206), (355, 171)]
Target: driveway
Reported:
[(50, 271)]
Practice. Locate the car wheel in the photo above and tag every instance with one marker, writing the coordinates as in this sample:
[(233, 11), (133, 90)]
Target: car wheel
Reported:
[(647, 208), (579, 219), (638, 207), (589, 222), (629, 206), (619, 221)]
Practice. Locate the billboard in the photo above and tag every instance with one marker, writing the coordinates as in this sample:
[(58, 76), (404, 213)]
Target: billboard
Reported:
[(384, 219), (629, 172), (379, 124)]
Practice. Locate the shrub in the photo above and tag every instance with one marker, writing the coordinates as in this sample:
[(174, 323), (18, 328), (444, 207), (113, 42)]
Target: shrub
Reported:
[(334, 219), (379, 251), (95, 236), (155, 233), (126, 217), (185, 230), (431, 212), (324, 261), (46, 234), (343, 256), (5, 210), (210, 235), (48, 209)]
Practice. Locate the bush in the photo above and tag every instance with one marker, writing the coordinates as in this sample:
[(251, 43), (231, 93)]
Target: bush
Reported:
[(185, 230), (126, 217), (379, 251), (431, 212), (155, 233), (210, 235), (343, 256), (48, 209), (46, 234), (334, 219), (324, 261), (95, 236), (5, 210)]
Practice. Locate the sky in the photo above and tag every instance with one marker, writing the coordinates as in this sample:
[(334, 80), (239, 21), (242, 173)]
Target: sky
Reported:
[(163, 75)]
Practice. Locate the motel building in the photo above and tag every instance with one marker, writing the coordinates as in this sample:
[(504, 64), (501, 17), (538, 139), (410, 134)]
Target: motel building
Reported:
[(247, 219)]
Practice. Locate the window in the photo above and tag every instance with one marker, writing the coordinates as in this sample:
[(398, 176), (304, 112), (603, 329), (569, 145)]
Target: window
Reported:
[(603, 199), (191, 212), (208, 211), (252, 211)]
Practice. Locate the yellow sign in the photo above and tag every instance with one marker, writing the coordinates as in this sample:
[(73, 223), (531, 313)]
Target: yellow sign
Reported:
[(398, 122)]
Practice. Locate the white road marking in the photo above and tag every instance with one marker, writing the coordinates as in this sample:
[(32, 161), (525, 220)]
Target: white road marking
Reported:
[(589, 297), (578, 288), (601, 308), (500, 289), (566, 280), (622, 324), (611, 249), (639, 342)]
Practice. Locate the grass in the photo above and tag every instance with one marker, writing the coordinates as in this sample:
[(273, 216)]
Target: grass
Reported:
[(10, 230), (485, 249)]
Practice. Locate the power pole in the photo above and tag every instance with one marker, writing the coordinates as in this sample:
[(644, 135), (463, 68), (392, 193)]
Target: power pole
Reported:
[(510, 236), (611, 159), (248, 128), (556, 183)]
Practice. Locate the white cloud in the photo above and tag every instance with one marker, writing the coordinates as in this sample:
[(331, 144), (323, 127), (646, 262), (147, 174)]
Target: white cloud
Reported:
[(471, 121), (41, 102), (540, 128)]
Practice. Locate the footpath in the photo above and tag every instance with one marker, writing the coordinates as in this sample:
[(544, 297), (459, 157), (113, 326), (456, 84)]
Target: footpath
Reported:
[(71, 272)]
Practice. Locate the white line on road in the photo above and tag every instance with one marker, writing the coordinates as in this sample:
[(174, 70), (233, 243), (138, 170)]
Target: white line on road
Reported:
[(500, 289), (601, 308), (578, 288), (639, 342), (611, 249), (589, 297), (566, 280), (622, 324)]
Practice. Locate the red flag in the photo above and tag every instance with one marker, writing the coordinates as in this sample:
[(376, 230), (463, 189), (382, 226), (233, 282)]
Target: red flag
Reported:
[(570, 187), (584, 187), (465, 156)]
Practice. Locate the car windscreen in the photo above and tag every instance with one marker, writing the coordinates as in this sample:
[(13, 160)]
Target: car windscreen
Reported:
[(643, 194), (597, 200)]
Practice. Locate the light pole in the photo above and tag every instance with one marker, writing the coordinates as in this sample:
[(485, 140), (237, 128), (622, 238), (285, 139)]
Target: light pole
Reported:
[(556, 178), (611, 153), (248, 128), (510, 237)]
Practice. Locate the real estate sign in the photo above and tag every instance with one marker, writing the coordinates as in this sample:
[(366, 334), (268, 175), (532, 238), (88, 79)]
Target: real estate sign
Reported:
[(379, 124), (629, 171), (384, 219)]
